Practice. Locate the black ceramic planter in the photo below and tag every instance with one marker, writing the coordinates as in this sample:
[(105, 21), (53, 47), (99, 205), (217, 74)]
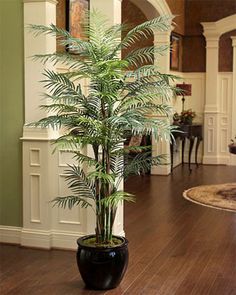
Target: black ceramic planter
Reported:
[(102, 268)]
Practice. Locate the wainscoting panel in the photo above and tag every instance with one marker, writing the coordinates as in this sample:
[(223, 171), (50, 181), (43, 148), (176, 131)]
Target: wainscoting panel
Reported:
[(35, 197), (35, 157), (43, 180), (65, 158), (225, 98), (218, 120), (210, 140)]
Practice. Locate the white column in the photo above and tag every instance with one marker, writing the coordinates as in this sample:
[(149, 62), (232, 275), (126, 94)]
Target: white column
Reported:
[(44, 171), (37, 160), (163, 63), (36, 12), (212, 106), (233, 112)]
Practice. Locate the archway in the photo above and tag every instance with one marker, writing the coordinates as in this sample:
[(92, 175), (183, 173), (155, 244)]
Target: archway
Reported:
[(153, 8)]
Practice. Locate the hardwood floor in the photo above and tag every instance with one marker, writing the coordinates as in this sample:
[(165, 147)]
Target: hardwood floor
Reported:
[(176, 247)]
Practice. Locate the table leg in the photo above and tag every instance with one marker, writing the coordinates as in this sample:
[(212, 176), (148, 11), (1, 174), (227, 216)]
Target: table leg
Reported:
[(171, 155), (191, 139), (196, 150), (183, 145)]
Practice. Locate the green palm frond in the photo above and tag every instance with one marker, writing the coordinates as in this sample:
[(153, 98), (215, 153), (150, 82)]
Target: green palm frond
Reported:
[(147, 108), (55, 122), (144, 55), (48, 30), (144, 30), (119, 196), (127, 149), (64, 58), (61, 108), (81, 159), (159, 128), (142, 163), (58, 83), (79, 182), (70, 202), (104, 177), (67, 98), (117, 164)]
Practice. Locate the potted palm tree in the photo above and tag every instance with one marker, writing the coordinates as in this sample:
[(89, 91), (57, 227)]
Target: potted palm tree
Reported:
[(123, 96)]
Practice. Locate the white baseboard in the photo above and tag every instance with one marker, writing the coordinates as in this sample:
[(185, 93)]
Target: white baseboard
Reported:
[(10, 234), (65, 240), (39, 238), (232, 161), (36, 238), (216, 160), (160, 170)]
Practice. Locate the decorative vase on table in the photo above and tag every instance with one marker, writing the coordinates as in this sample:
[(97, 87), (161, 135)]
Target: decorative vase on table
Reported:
[(187, 121), (186, 117)]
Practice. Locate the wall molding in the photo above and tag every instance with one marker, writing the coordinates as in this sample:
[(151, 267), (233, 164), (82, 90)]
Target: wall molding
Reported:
[(10, 234), (39, 134), (53, 239), (216, 160), (33, 1), (39, 238)]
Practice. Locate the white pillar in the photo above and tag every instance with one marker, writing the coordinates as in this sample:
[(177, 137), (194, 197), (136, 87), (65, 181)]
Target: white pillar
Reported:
[(43, 171), (212, 106), (163, 63), (36, 141), (233, 112), (36, 12)]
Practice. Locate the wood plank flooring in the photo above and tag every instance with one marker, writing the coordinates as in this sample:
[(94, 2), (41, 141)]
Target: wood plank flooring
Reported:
[(176, 247)]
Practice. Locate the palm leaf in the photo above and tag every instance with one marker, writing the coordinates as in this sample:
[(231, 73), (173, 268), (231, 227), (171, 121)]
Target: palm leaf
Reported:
[(119, 196), (79, 183), (70, 202), (144, 55), (142, 163)]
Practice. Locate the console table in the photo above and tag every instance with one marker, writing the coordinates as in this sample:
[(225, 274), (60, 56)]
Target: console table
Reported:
[(191, 132)]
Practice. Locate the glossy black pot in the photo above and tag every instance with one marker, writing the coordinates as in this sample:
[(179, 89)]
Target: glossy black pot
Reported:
[(102, 268)]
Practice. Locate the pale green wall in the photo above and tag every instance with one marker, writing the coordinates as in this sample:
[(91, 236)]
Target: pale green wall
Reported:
[(11, 111)]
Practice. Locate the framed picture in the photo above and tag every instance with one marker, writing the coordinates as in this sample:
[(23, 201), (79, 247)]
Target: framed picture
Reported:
[(175, 52), (75, 16)]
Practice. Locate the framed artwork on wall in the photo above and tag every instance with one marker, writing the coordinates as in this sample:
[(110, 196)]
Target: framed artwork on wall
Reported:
[(75, 16), (175, 52)]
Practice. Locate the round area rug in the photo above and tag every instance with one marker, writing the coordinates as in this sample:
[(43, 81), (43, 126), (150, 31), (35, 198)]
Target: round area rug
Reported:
[(219, 196)]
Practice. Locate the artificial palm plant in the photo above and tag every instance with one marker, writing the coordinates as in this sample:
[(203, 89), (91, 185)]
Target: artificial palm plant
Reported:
[(123, 95)]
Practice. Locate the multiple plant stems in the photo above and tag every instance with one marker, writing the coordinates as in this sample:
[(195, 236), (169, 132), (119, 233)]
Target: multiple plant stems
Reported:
[(121, 96)]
